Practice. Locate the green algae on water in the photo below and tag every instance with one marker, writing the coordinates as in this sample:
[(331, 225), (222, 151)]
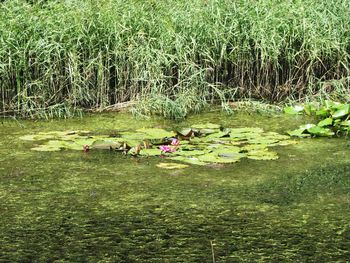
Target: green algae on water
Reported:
[(103, 206)]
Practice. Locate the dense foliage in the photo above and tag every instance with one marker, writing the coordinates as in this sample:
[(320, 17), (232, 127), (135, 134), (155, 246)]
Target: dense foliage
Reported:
[(173, 55), (334, 119)]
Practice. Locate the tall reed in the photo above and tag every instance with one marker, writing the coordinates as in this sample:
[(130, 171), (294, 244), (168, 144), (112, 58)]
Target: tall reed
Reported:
[(70, 54)]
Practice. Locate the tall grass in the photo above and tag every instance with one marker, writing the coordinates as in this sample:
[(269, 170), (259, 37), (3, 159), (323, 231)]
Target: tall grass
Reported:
[(70, 54)]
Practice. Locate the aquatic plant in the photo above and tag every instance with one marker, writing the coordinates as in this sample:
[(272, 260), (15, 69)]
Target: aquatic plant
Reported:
[(333, 118), (166, 149), (171, 57), (201, 144), (175, 142), (169, 149)]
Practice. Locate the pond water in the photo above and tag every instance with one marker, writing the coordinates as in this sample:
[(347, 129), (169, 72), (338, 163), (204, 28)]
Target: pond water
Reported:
[(102, 206)]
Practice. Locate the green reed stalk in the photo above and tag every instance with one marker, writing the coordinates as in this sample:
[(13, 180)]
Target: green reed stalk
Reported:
[(93, 53)]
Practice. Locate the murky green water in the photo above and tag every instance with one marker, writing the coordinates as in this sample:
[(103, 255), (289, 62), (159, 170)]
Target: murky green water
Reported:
[(70, 206)]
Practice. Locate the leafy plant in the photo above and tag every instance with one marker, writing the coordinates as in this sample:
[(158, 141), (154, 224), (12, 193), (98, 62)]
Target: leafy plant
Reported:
[(334, 118), (201, 144), (171, 57)]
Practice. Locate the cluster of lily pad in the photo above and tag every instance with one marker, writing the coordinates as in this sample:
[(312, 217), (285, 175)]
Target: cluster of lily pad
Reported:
[(334, 119), (201, 144)]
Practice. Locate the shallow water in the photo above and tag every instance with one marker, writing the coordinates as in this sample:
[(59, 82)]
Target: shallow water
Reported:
[(70, 206)]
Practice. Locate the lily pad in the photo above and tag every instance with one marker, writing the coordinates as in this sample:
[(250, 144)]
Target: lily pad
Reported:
[(205, 132), (172, 165), (46, 148), (190, 153), (50, 146), (220, 157), (207, 145), (185, 133), (285, 143), (106, 145), (220, 134), (155, 133), (224, 147), (262, 140), (276, 136), (245, 133), (190, 160), (254, 147), (298, 133), (150, 152), (262, 155)]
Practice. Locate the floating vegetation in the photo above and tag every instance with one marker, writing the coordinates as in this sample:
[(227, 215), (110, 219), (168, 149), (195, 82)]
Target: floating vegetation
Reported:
[(334, 118), (171, 166), (200, 144)]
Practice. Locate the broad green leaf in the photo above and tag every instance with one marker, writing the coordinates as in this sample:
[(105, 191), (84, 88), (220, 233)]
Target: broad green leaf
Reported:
[(345, 123), (50, 146), (254, 147), (220, 134), (341, 111), (172, 165), (307, 126), (287, 142), (293, 110), (325, 122), (185, 133), (207, 131), (298, 133), (309, 109), (330, 104), (106, 145), (262, 140), (322, 113), (85, 141), (190, 160), (250, 130), (151, 152), (220, 157), (46, 148), (190, 153), (276, 136), (71, 145), (224, 148), (229, 156), (155, 133), (262, 155), (320, 131)]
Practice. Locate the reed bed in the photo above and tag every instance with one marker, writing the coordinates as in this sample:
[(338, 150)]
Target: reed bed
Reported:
[(171, 57)]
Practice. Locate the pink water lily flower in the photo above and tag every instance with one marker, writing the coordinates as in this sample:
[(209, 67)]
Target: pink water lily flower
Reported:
[(175, 142), (167, 149)]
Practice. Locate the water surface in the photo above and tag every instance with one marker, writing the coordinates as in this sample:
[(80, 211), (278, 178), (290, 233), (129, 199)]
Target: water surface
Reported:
[(70, 206)]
